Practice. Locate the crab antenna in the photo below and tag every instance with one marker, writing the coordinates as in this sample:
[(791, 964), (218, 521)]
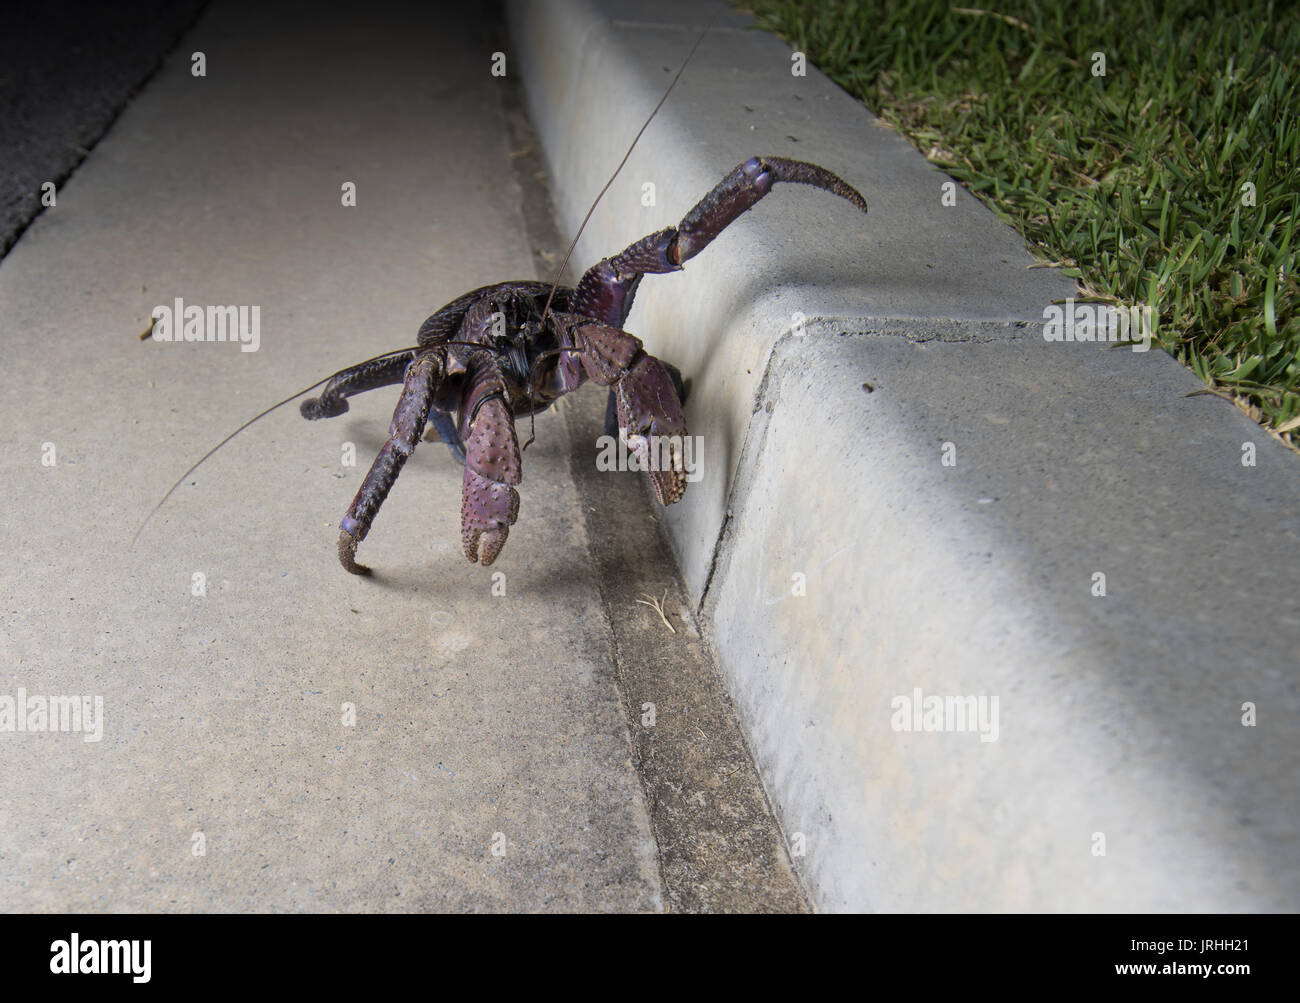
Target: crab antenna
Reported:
[(181, 480), (644, 125), (532, 415)]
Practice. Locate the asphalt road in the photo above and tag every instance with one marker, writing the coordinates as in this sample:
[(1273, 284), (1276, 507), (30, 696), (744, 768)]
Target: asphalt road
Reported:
[(66, 72)]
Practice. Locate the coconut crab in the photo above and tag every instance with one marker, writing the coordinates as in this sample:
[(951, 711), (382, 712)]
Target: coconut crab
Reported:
[(512, 349)]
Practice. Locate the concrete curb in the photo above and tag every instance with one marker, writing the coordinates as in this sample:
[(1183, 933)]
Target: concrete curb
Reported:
[(845, 566)]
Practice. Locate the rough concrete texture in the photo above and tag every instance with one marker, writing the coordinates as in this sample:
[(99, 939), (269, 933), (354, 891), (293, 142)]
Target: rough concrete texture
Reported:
[(482, 722), (1119, 715), (1122, 777)]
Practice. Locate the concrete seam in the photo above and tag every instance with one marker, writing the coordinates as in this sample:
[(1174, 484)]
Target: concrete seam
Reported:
[(704, 624)]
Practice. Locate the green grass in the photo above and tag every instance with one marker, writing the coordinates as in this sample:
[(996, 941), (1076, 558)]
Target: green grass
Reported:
[(1131, 181)]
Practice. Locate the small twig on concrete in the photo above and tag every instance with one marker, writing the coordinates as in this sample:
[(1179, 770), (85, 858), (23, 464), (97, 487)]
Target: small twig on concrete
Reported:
[(658, 606)]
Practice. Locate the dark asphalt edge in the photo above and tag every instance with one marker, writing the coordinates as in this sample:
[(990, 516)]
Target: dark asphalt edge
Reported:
[(718, 842), (9, 240)]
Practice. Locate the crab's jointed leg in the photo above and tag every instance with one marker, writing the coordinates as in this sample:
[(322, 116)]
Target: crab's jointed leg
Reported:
[(422, 378), (606, 290), (371, 375)]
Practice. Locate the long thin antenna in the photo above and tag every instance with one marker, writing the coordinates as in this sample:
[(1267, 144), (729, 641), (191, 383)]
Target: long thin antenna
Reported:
[(559, 272), (644, 125), (181, 480)]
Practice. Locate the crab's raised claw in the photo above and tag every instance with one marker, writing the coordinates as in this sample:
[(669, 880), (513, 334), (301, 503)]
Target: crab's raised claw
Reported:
[(489, 502)]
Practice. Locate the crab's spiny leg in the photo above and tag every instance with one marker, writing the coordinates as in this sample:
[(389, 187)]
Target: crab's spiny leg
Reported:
[(422, 380), (367, 376), (606, 290)]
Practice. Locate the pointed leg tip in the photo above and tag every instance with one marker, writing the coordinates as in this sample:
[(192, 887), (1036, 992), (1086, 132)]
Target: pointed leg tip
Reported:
[(348, 555)]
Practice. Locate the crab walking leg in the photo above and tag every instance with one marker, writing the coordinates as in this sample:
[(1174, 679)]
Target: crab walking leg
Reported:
[(606, 290), (474, 327), (358, 379), (422, 379), (645, 400), (443, 426), (371, 376), (489, 502)]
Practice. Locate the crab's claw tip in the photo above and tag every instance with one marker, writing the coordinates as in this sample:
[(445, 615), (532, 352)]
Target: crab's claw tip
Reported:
[(669, 485), (492, 542), (804, 173), (488, 510), (664, 466)]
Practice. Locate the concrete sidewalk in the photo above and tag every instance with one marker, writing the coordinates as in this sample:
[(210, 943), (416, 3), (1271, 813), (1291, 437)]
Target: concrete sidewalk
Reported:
[(490, 763), (910, 495)]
